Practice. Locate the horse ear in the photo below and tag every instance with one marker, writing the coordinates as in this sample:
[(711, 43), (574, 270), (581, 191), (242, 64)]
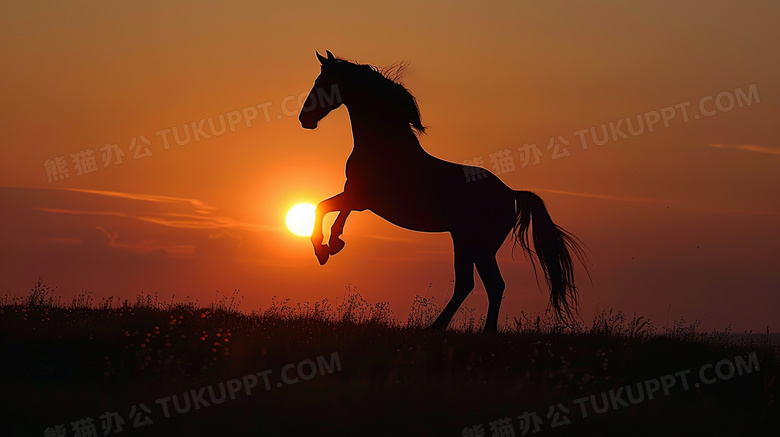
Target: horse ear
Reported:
[(330, 55), (321, 58)]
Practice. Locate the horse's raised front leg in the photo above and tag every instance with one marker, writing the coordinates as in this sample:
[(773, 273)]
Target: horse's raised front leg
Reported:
[(335, 243), (339, 202)]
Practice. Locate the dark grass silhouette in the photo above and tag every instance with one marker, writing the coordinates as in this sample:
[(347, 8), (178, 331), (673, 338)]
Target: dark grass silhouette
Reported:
[(391, 174), (62, 363)]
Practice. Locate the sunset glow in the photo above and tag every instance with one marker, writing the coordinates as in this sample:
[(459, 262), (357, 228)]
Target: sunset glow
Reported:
[(153, 149), (406, 218)]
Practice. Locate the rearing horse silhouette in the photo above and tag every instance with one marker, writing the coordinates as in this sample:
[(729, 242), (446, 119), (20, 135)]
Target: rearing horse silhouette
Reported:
[(389, 173)]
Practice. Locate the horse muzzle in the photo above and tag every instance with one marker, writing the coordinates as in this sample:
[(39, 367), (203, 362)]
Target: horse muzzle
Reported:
[(309, 124)]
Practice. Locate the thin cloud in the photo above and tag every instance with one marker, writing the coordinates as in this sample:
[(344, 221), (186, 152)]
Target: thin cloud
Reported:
[(201, 216), (206, 223), (686, 205), (71, 211), (607, 196), (197, 216), (198, 204), (748, 147)]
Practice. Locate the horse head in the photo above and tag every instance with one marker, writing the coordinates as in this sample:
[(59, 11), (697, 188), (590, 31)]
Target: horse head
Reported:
[(325, 95)]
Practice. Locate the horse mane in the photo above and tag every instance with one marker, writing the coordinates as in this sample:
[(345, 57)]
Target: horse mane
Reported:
[(388, 79)]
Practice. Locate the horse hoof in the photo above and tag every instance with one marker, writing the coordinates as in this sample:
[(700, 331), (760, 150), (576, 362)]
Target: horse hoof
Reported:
[(322, 253), (335, 245)]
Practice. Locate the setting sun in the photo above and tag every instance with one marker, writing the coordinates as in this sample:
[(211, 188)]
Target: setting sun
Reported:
[(300, 219)]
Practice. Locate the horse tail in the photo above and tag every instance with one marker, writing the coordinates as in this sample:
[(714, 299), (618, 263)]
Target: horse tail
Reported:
[(552, 246)]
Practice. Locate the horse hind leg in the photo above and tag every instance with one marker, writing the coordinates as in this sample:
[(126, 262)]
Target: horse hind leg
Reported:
[(488, 270), (464, 284)]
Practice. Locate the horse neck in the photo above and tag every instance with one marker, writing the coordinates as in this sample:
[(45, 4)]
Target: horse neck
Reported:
[(375, 131)]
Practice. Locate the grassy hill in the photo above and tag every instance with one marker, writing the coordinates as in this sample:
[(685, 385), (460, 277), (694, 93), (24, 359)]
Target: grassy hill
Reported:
[(156, 368)]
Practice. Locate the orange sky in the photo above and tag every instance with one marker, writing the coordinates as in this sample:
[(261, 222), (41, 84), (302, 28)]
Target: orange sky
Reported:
[(684, 217)]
